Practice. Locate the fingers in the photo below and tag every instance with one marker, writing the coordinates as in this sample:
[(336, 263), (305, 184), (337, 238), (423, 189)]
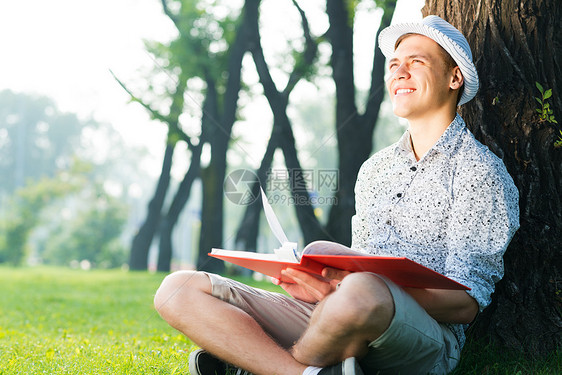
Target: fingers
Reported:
[(313, 285), (334, 273), (302, 276)]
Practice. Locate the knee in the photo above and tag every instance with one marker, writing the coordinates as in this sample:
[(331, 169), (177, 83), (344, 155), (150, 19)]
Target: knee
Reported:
[(177, 291), (363, 302)]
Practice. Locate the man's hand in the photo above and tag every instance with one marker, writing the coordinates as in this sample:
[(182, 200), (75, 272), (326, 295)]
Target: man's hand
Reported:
[(311, 288)]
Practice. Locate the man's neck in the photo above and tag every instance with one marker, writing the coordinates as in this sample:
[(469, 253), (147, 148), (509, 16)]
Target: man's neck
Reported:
[(425, 132)]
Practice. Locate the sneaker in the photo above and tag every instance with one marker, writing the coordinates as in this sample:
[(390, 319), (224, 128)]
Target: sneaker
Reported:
[(347, 367), (202, 362)]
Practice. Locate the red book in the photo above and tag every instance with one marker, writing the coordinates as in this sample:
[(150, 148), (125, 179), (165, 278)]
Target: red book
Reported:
[(320, 254)]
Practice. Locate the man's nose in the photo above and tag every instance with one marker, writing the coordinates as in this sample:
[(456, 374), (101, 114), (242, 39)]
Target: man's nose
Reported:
[(400, 72)]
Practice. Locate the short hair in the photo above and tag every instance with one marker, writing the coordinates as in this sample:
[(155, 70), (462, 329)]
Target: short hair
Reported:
[(450, 63)]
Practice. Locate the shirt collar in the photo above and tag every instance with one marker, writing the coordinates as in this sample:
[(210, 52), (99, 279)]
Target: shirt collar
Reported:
[(446, 144)]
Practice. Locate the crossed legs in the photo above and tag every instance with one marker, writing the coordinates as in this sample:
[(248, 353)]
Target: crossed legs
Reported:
[(341, 326)]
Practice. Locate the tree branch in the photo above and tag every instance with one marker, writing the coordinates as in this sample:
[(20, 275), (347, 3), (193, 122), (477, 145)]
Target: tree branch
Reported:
[(170, 15), (269, 88), (307, 56), (155, 114), (376, 91), (173, 128)]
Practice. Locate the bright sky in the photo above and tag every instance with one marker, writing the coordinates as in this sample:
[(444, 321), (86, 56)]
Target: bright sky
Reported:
[(64, 49)]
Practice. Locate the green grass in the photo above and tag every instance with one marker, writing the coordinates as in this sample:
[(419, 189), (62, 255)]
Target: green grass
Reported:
[(483, 358), (61, 321)]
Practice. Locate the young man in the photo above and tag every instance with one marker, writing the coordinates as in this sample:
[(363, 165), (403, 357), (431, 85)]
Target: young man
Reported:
[(437, 196)]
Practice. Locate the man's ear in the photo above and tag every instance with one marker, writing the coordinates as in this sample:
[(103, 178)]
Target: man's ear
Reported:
[(456, 79)]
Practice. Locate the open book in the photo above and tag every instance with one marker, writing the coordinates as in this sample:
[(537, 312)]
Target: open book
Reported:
[(320, 254)]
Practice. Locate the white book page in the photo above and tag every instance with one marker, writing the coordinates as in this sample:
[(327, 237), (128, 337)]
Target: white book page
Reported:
[(272, 220), (329, 248)]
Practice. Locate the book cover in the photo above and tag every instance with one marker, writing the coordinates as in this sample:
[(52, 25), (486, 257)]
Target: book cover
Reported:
[(320, 254), (402, 271)]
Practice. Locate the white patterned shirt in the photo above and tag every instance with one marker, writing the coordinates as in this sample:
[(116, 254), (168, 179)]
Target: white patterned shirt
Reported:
[(454, 211)]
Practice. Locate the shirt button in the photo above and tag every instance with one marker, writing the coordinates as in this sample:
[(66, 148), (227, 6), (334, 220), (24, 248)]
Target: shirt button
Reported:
[(388, 222), (399, 195), (413, 169)]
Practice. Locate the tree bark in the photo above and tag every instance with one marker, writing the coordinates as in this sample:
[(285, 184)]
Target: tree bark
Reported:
[(516, 43), (138, 259)]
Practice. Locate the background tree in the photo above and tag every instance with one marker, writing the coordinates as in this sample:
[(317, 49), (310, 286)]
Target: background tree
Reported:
[(92, 232), (23, 215), (68, 217), (222, 92), (354, 130), (138, 258), (210, 48), (220, 44), (36, 139), (282, 134), (207, 53), (515, 45), (48, 163)]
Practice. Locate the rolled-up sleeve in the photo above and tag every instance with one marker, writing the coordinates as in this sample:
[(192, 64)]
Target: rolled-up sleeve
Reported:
[(482, 222)]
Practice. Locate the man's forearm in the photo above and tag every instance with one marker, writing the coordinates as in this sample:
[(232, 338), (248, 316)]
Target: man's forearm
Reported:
[(446, 306)]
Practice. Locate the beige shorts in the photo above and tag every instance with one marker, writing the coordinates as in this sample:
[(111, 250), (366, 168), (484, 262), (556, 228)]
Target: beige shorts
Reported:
[(414, 343)]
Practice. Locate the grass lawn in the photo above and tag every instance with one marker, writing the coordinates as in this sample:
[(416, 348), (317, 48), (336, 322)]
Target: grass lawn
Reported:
[(62, 321)]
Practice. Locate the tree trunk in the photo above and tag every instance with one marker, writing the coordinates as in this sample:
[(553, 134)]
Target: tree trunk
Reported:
[(212, 211), (210, 234), (310, 225), (247, 234), (516, 43), (138, 259), (354, 131), (219, 136), (178, 203)]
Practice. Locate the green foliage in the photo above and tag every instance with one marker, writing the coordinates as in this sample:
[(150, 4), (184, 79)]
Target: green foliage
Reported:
[(351, 7), (544, 110), (23, 215), (90, 234), (206, 31), (546, 114), (558, 142), (77, 218)]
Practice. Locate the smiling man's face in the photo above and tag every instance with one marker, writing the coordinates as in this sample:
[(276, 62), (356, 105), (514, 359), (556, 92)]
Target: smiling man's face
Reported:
[(420, 81)]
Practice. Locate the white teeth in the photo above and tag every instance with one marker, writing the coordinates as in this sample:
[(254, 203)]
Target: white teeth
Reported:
[(404, 91)]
